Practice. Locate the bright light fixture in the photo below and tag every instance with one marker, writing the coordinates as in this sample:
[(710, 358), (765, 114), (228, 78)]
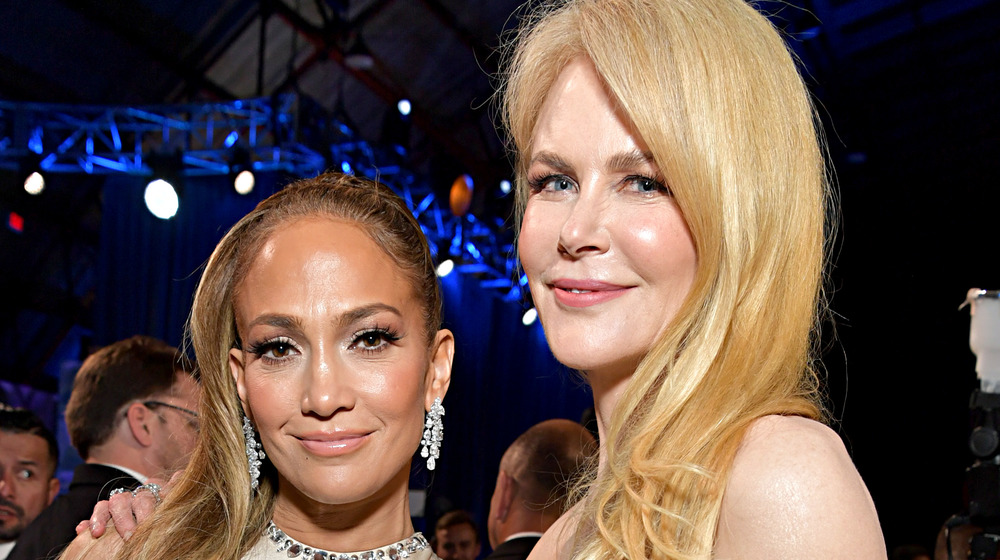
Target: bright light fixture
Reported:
[(161, 199)]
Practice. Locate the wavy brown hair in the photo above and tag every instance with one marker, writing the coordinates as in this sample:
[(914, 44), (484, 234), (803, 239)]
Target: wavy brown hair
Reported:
[(211, 513), (713, 91)]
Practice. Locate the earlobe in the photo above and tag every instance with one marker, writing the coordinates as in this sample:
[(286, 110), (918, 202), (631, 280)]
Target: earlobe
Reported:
[(439, 369)]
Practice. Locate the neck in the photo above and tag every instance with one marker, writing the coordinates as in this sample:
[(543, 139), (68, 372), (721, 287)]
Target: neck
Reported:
[(522, 520), (377, 521), (111, 453), (607, 389)]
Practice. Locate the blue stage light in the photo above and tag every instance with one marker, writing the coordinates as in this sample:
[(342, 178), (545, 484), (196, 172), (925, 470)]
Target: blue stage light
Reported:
[(345, 166), (232, 138), (404, 107), (505, 186)]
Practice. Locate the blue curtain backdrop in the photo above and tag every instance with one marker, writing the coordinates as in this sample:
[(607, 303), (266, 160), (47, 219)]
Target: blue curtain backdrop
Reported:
[(504, 380)]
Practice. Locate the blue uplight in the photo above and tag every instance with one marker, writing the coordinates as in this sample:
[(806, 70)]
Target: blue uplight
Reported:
[(404, 107), (231, 139), (345, 166)]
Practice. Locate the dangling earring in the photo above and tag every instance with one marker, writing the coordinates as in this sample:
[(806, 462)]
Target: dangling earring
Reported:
[(255, 453), (433, 434)]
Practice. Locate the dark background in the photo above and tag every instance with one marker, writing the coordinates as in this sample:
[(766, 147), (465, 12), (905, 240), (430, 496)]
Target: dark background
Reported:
[(907, 90)]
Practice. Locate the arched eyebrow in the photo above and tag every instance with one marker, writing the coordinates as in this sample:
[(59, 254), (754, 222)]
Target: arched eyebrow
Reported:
[(276, 320), (626, 161), (365, 311), (552, 160), (293, 323)]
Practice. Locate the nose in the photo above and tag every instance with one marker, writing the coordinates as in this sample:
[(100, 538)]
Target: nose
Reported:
[(584, 231), (328, 386), (6, 488)]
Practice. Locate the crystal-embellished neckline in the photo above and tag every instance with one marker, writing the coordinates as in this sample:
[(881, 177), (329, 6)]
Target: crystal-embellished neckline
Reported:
[(295, 549)]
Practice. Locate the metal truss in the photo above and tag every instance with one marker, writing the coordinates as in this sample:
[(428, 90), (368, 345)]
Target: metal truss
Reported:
[(284, 133)]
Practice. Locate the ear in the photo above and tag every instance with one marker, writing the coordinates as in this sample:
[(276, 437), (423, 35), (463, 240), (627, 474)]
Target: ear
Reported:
[(237, 366), (53, 490), (439, 370), (138, 418), (505, 495)]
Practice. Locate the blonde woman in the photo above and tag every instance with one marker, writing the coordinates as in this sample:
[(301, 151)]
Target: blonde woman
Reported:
[(673, 199), (316, 326)]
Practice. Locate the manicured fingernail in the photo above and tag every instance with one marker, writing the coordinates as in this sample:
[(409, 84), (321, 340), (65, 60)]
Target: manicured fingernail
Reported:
[(93, 525), (128, 535)]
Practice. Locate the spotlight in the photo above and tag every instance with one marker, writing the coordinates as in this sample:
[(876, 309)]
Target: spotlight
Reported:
[(345, 166), (529, 317), (244, 182), (30, 169), (460, 196), (505, 186), (241, 171), (161, 199), (404, 107), (35, 183), (445, 268)]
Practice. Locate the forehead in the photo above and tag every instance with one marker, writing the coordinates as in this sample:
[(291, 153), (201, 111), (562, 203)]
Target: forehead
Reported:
[(323, 261), (461, 532), (580, 114), (21, 447)]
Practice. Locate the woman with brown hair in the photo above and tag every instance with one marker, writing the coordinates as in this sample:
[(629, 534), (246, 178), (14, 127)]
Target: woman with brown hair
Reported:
[(316, 327), (673, 200)]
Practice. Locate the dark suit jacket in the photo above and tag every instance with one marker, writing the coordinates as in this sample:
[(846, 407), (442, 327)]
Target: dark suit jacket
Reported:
[(55, 527), (514, 549)]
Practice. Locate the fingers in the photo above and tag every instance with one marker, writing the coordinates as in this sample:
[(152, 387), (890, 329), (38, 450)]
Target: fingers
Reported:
[(143, 505), (99, 519), (120, 507)]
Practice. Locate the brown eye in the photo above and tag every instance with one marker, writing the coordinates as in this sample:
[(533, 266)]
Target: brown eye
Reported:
[(371, 339), (280, 350)]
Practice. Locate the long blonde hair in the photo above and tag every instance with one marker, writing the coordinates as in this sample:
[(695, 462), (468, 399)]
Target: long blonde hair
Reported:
[(211, 513), (713, 91)]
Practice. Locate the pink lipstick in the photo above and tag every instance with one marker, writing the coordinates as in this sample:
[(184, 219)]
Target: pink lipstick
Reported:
[(585, 293)]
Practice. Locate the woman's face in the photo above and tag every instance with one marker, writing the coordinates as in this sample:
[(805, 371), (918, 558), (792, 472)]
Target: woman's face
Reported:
[(608, 255), (335, 371)]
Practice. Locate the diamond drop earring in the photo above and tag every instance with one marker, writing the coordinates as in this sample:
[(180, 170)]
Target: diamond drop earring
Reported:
[(433, 434), (255, 453)]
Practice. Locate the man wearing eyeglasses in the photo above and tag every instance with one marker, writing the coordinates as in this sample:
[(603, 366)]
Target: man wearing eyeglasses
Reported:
[(132, 416)]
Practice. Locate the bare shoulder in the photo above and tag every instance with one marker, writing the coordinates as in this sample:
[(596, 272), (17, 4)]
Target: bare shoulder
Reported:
[(795, 493)]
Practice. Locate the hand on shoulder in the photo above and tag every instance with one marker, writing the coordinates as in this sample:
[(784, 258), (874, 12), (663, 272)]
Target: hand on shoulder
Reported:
[(794, 493)]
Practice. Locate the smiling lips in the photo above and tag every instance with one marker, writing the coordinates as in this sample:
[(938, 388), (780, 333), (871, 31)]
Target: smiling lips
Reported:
[(585, 293), (335, 444)]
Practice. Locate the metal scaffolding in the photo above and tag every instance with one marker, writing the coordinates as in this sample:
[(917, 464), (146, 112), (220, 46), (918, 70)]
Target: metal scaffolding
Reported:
[(284, 133)]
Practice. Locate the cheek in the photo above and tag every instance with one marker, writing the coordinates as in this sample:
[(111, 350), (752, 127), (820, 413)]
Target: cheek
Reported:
[(537, 231), (270, 400), (660, 243)]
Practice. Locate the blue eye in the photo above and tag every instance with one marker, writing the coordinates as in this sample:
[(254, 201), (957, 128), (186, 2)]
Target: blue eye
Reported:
[(554, 183), (646, 185)]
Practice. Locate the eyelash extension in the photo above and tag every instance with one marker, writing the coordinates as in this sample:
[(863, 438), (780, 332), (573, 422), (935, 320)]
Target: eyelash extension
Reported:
[(387, 334), (538, 183), (660, 184), (260, 348)]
